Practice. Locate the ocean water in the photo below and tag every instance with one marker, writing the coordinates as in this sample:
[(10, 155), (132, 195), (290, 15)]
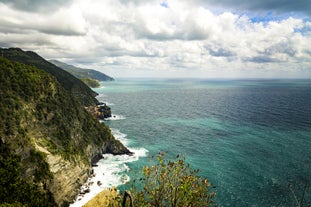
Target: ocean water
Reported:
[(250, 138)]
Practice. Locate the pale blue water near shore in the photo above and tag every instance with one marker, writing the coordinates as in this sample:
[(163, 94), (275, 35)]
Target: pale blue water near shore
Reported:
[(249, 137)]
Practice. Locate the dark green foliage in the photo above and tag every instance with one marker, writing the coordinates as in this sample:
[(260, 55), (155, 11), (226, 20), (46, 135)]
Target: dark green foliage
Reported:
[(25, 83), (14, 189), (42, 169), (70, 83), (15, 90), (15, 204), (174, 184), (81, 72)]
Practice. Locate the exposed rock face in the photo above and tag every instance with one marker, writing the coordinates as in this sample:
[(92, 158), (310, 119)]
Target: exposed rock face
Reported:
[(68, 177), (117, 149)]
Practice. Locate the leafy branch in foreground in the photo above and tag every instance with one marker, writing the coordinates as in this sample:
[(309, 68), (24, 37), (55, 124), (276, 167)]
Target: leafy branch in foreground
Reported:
[(303, 187), (172, 183)]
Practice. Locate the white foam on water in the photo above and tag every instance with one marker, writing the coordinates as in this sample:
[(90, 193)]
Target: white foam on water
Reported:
[(109, 104), (120, 136), (115, 117), (101, 96), (110, 171)]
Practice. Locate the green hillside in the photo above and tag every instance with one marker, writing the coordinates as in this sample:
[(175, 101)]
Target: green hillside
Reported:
[(70, 83), (47, 140), (81, 72)]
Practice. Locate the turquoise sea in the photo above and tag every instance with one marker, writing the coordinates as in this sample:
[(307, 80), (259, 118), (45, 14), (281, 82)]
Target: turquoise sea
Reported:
[(250, 138)]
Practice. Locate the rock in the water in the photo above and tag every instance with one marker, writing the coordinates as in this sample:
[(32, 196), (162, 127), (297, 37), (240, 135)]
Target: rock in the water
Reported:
[(100, 111), (95, 159)]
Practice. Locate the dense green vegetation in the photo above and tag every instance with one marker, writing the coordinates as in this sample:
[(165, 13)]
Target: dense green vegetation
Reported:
[(91, 82), (81, 72), (35, 110), (16, 190), (70, 83), (33, 98)]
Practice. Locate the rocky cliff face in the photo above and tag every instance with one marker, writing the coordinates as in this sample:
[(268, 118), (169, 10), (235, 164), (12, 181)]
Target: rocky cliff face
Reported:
[(48, 133)]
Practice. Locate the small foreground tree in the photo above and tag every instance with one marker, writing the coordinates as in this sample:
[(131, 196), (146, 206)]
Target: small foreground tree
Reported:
[(172, 184)]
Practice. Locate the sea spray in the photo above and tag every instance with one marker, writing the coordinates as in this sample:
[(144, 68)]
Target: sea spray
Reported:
[(111, 171)]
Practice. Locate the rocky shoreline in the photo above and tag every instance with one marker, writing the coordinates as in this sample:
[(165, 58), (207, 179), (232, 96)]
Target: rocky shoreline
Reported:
[(100, 111), (52, 138), (71, 180)]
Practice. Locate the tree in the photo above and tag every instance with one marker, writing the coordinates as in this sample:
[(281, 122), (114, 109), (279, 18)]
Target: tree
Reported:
[(172, 183)]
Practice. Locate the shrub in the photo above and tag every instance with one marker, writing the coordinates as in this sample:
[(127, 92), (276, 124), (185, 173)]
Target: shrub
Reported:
[(16, 190), (172, 183)]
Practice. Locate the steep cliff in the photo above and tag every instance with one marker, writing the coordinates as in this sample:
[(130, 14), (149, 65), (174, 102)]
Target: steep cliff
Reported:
[(48, 136)]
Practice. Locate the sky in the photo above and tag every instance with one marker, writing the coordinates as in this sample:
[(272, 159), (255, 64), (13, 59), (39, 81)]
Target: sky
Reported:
[(166, 38)]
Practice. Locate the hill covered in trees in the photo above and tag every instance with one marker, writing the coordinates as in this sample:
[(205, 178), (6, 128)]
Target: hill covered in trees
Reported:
[(88, 76), (47, 139), (70, 83)]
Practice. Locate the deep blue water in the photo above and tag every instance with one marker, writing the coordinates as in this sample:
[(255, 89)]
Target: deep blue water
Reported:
[(250, 138)]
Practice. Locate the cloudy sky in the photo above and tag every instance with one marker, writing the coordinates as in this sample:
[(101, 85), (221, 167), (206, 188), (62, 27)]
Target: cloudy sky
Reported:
[(166, 38)]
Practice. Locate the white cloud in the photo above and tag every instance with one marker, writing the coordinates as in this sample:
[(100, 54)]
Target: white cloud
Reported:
[(64, 21), (146, 38), (44, 6)]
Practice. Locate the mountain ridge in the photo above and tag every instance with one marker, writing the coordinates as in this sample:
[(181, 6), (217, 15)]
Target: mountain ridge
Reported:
[(82, 72), (76, 87)]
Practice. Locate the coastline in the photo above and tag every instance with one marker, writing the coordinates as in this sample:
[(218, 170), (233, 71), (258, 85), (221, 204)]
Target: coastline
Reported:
[(108, 172), (209, 137)]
